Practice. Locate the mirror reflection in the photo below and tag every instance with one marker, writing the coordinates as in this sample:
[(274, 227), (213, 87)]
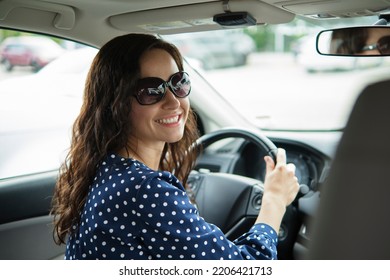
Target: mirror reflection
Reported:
[(355, 41)]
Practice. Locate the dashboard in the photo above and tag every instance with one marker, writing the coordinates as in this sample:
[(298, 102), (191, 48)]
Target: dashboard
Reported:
[(241, 157)]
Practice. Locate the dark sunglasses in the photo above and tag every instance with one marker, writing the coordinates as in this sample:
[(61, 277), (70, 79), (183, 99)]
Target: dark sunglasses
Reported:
[(151, 90), (383, 46)]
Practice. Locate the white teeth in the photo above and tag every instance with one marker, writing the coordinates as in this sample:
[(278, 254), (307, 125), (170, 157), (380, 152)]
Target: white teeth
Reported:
[(169, 121)]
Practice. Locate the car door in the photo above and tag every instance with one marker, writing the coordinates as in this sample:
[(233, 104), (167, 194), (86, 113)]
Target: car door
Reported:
[(26, 230), (37, 111)]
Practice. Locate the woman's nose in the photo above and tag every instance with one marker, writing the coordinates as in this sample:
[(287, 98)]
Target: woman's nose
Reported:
[(170, 100)]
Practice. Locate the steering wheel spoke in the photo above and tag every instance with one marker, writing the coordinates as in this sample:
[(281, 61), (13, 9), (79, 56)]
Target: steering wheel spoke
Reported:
[(225, 199)]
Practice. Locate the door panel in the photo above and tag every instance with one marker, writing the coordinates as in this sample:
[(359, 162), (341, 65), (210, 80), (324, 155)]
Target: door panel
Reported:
[(25, 223)]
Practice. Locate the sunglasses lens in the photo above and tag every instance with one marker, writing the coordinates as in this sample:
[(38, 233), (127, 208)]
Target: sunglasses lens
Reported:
[(180, 84), (150, 91), (384, 45)]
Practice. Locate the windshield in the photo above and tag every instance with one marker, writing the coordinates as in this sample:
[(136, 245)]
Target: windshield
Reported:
[(276, 78), (271, 74)]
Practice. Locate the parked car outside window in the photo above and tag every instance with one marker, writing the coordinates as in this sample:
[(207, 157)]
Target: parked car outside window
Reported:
[(28, 51), (219, 49)]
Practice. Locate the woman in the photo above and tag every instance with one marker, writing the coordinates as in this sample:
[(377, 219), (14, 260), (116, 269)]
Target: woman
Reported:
[(373, 40), (112, 198)]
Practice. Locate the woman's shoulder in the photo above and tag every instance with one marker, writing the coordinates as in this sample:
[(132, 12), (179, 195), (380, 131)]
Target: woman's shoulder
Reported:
[(115, 168)]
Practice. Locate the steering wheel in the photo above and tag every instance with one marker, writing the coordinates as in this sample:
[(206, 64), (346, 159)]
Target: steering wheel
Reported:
[(232, 202)]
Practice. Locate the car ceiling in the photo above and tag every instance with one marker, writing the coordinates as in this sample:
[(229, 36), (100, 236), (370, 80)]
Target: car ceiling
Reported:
[(96, 21)]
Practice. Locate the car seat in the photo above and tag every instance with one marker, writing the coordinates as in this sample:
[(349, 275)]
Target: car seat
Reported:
[(353, 215)]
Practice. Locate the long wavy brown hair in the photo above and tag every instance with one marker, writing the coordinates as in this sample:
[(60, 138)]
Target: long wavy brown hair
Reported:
[(103, 126)]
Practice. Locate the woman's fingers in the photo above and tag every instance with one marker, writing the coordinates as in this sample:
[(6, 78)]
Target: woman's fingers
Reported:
[(281, 157), (291, 167), (281, 163), (281, 160), (270, 165)]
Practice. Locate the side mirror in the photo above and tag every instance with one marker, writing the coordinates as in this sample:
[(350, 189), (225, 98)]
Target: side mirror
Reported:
[(355, 41)]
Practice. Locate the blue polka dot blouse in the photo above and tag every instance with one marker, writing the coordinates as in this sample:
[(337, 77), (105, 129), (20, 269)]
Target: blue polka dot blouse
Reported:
[(133, 212)]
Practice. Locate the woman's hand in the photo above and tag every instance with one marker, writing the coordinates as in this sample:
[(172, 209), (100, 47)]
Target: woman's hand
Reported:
[(280, 189), (280, 180)]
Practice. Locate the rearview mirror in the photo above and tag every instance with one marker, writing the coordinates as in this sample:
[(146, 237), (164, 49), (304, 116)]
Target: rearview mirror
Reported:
[(355, 41)]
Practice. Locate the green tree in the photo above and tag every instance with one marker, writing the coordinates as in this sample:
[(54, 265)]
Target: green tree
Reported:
[(263, 36)]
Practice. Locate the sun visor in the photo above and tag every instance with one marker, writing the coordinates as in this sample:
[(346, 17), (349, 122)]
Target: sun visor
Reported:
[(196, 17)]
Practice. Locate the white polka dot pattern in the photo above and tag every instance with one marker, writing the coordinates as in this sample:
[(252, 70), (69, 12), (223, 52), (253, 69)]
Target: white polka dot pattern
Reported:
[(133, 212)]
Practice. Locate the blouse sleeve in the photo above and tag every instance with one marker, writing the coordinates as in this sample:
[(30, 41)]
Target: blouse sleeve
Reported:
[(173, 229)]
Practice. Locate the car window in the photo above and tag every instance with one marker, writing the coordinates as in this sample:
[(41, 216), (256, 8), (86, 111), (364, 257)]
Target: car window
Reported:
[(38, 108)]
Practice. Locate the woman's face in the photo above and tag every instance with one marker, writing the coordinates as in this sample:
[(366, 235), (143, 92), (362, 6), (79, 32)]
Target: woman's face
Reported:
[(373, 36), (154, 125)]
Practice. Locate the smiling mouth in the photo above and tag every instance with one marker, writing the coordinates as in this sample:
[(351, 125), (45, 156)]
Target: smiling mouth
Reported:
[(171, 120)]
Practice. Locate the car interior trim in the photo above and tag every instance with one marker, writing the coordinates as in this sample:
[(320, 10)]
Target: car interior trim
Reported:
[(65, 16), (181, 15)]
